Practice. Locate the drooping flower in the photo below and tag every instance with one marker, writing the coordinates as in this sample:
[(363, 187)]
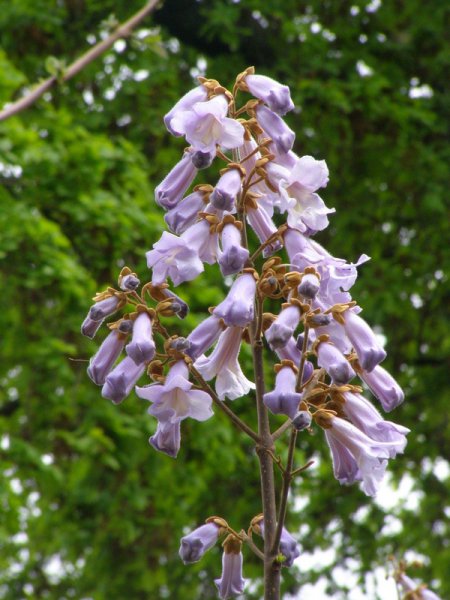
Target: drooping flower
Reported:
[(205, 125), (167, 438), (306, 210), (121, 380), (283, 327), (175, 400), (223, 364), (198, 542), (184, 214), (276, 95), (289, 548), (203, 336), (234, 255), (103, 361), (231, 583), (173, 187), (238, 307), (356, 456), (284, 399), (89, 327), (334, 362), (142, 348), (227, 190), (282, 136), (366, 346), (309, 286), (180, 258), (364, 416), (198, 94), (383, 386), (106, 307)]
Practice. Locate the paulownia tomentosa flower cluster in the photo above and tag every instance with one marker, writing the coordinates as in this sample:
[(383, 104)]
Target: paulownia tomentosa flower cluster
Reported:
[(318, 335)]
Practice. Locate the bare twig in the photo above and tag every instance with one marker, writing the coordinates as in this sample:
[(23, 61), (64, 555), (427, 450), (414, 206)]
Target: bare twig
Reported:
[(73, 69)]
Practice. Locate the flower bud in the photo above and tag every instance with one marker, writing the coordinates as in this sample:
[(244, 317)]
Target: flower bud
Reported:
[(302, 420), (202, 160), (104, 308), (129, 283), (309, 286), (225, 193)]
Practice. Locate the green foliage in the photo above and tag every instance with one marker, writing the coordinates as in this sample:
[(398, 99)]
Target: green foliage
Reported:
[(88, 509)]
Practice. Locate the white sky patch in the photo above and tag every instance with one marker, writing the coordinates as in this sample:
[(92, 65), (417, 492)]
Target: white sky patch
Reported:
[(418, 90), (416, 300), (88, 97), (5, 442), (141, 75), (363, 69)]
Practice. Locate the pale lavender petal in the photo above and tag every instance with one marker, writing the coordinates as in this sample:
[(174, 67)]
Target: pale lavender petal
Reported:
[(226, 191), (231, 583), (142, 347), (90, 327), (283, 327), (173, 187), (198, 542), (104, 308), (238, 307), (284, 399), (384, 387), (282, 136), (334, 363), (369, 351), (234, 255), (198, 94), (203, 336), (274, 94), (167, 438), (121, 380), (103, 361), (185, 213)]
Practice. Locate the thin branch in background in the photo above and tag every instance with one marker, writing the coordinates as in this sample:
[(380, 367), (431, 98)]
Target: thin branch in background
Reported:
[(78, 65)]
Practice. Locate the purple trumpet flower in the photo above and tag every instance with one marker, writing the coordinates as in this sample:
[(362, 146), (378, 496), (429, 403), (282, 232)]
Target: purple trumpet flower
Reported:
[(288, 546), (383, 386), (234, 255), (237, 310), (173, 187), (179, 306), (203, 336), (334, 363), (198, 94), (206, 125), (89, 327), (284, 400), (364, 416), (179, 257), (104, 308), (369, 351), (283, 327), (184, 214), (264, 227), (102, 362), (231, 583), (274, 94), (142, 348), (175, 400), (282, 136), (357, 457), (227, 190), (414, 590), (121, 380), (302, 420), (167, 438), (223, 364), (306, 210), (198, 542)]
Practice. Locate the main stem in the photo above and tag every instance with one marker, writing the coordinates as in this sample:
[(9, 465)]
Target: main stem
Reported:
[(271, 567)]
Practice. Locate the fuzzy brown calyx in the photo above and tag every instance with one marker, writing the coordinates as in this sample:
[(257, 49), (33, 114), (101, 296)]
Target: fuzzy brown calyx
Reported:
[(337, 310), (285, 363), (232, 544), (229, 220), (240, 79), (234, 165), (155, 370), (324, 418)]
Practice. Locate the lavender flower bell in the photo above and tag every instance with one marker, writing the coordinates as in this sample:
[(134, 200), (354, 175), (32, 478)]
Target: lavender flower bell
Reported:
[(282, 136), (121, 380), (223, 364), (198, 542), (274, 94), (289, 548), (206, 125), (173, 187), (284, 399), (198, 94), (227, 190), (369, 351), (234, 255), (167, 438), (238, 307), (231, 583), (102, 362), (283, 327), (184, 214), (104, 308), (334, 363), (142, 348), (175, 400), (383, 386), (203, 336)]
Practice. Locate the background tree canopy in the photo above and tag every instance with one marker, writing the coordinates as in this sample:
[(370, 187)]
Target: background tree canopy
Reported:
[(88, 509)]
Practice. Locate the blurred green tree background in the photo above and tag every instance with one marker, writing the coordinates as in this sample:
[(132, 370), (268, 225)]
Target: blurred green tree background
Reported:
[(87, 508)]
